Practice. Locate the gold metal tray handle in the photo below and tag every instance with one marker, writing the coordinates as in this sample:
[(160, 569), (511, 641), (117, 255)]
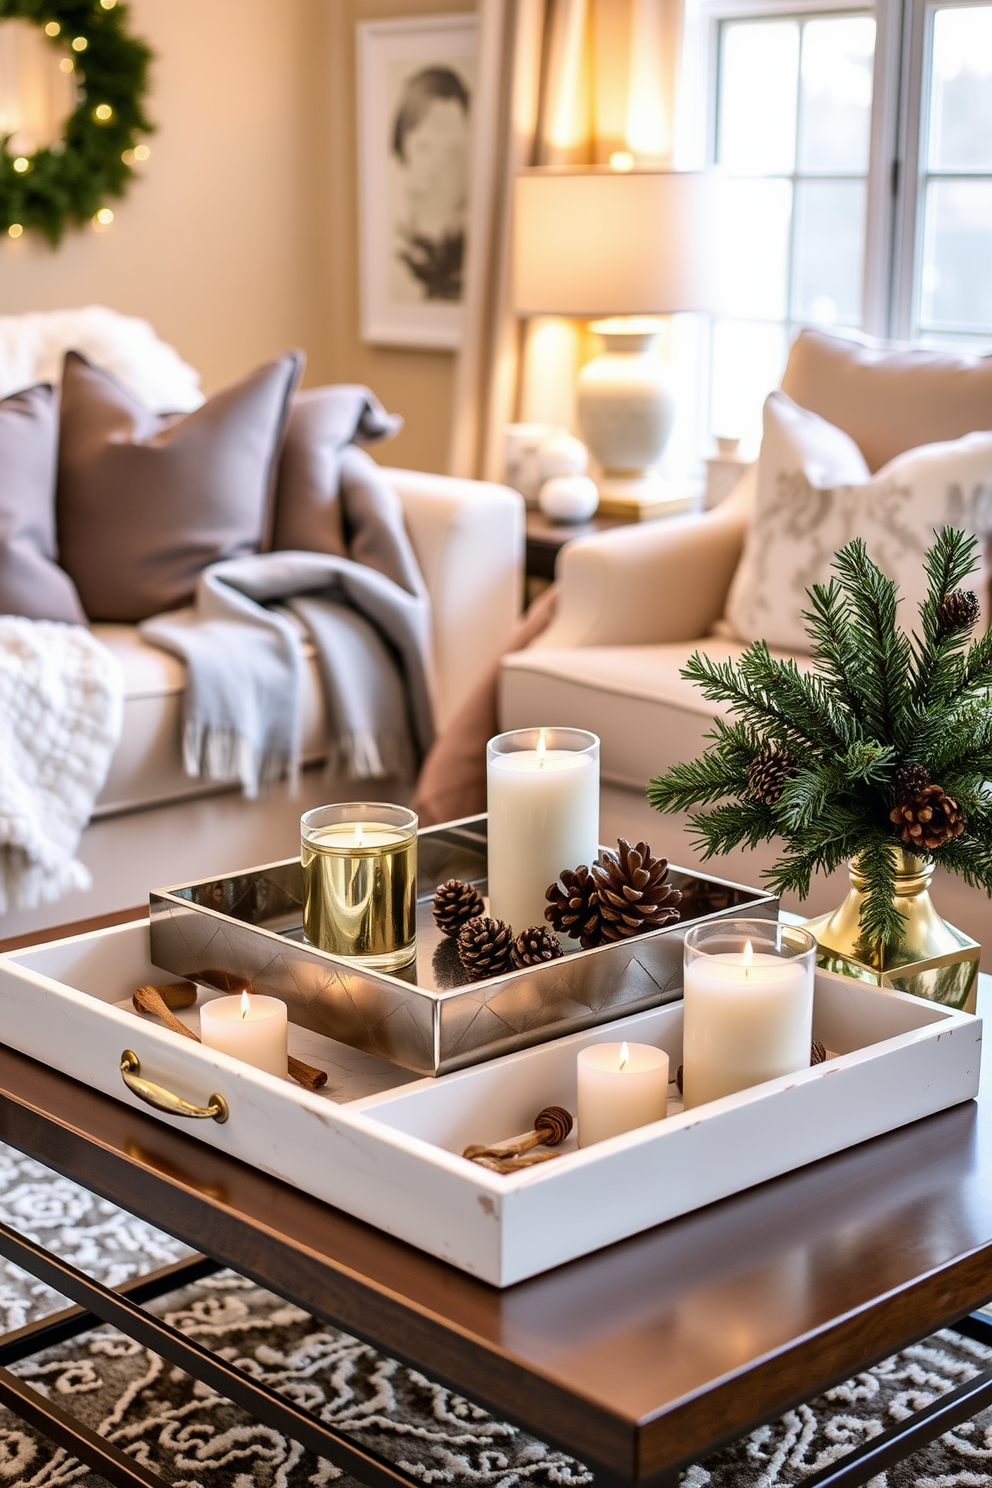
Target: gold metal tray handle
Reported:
[(166, 1100)]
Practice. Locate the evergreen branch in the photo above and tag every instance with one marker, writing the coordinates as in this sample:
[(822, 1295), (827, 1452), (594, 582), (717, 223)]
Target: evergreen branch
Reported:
[(804, 698), (699, 782), (936, 666), (735, 824), (834, 652), (976, 670), (750, 686), (881, 923), (883, 651), (970, 859)]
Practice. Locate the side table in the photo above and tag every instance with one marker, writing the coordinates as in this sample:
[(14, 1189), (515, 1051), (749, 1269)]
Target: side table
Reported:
[(545, 540)]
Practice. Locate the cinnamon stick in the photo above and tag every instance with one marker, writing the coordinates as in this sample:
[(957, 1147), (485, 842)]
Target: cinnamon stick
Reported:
[(157, 1000)]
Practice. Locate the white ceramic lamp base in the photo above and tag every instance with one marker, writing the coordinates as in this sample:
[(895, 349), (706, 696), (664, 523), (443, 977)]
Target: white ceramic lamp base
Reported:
[(626, 409)]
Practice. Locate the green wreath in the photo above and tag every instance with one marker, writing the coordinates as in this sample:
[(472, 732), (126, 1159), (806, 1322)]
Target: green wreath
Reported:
[(69, 181)]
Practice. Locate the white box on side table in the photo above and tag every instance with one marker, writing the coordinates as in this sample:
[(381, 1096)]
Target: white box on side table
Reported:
[(385, 1147)]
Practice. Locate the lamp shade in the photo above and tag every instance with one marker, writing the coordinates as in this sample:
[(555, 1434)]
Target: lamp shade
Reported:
[(590, 242)]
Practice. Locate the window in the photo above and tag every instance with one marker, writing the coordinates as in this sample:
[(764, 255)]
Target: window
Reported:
[(793, 130), (858, 146), (953, 299)]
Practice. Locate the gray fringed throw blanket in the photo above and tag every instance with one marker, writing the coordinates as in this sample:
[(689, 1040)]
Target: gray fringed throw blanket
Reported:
[(243, 641)]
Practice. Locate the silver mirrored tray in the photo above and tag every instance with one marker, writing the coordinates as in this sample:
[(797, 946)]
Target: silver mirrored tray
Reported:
[(246, 929)]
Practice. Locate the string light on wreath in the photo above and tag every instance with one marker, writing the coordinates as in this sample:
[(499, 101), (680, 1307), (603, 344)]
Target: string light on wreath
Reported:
[(69, 182)]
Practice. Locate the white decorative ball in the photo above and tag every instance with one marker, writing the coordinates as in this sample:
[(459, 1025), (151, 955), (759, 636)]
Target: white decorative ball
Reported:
[(563, 454), (568, 498)]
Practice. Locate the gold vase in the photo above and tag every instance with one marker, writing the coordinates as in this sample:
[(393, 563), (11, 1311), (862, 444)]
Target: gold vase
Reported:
[(930, 958)]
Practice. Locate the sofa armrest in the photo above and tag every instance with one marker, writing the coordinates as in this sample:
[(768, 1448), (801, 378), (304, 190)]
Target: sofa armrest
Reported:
[(469, 540), (651, 582)]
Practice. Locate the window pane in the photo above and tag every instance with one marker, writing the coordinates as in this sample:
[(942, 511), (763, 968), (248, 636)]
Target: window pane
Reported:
[(828, 255), (756, 263), (835, 97), (956, 281), (748, 361), (961, 97), (758, 82)]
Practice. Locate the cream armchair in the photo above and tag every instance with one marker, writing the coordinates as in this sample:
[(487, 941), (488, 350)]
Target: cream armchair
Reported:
[(636, 602)]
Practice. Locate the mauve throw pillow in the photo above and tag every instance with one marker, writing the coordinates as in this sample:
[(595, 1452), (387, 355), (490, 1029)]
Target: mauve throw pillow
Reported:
[(146, 503), (31, 582), (322, 423)]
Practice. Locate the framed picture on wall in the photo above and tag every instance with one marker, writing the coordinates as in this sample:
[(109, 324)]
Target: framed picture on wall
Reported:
[(416, 80)]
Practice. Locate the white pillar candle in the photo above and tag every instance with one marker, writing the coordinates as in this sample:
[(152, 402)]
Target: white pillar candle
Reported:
[(250, 1028), (748, 1017), (621, 1086), (543, 789)]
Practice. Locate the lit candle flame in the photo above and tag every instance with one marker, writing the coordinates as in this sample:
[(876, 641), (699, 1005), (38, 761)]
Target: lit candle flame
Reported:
[(358, 834), (542, 749), (245, 1004), (624, 1056), (748, 956)]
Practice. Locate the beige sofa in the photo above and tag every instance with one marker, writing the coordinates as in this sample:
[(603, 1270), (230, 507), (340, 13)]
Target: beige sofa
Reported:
[(152, 826), (637, 601)]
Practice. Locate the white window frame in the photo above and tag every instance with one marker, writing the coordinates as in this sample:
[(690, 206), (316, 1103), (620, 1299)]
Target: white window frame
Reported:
[(897, 167), (907, 257)]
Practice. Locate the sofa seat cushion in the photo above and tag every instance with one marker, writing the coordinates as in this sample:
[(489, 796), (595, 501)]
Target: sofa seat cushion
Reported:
[(646, 715), (147, 767)]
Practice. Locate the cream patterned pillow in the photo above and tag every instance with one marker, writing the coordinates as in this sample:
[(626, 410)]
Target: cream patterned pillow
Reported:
[(815, 493)]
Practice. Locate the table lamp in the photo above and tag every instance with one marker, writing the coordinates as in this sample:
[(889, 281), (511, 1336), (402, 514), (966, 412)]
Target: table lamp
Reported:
[(626, 245)]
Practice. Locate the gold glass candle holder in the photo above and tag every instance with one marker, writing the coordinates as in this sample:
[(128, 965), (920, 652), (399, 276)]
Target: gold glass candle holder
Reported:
[(359, 862)]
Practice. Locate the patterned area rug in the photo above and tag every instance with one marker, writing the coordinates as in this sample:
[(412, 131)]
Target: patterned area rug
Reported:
[(196, 1439)]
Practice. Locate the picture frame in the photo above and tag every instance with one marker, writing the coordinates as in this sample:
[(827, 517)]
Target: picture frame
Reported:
[(416, 90)]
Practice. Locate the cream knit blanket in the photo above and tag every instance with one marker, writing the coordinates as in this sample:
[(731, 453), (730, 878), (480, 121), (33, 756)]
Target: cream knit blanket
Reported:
[(61, 702)]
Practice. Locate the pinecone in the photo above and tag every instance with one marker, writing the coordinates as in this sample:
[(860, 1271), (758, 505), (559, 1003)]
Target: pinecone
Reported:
[(908, 781), (632, 892), (573, 907), (817, 1052), (454, 903), (767, 773), (485, 947), (536, 945), (928, 819), (959, 611)]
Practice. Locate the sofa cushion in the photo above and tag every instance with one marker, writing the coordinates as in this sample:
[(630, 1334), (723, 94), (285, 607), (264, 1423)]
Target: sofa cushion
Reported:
[(322, 422), (147, 767), (814, 494), (31, 582), (889, 399), (145, 503)]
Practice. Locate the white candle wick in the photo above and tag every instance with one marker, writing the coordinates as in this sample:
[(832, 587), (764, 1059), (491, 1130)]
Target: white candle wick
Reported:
[(358, 834), (542, 749), (748, 957), (624, 1056), (245, 1005)]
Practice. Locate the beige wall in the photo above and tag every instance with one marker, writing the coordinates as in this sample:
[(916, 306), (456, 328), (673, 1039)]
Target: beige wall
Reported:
[(418, 384), (240, 239)]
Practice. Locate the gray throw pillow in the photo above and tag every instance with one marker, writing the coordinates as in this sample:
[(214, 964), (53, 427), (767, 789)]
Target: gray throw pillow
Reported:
[(322, 423), (31, 582), (146, 503)]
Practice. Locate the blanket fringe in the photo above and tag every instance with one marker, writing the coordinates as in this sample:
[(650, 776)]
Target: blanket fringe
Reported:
[(360, 755), (214, 753)]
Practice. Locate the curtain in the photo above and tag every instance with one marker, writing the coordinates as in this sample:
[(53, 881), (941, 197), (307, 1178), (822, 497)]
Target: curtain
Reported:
[(561, 82)]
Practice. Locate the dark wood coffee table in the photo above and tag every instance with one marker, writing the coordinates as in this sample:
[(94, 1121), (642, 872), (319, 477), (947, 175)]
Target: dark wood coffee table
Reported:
[(638, 1359)]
